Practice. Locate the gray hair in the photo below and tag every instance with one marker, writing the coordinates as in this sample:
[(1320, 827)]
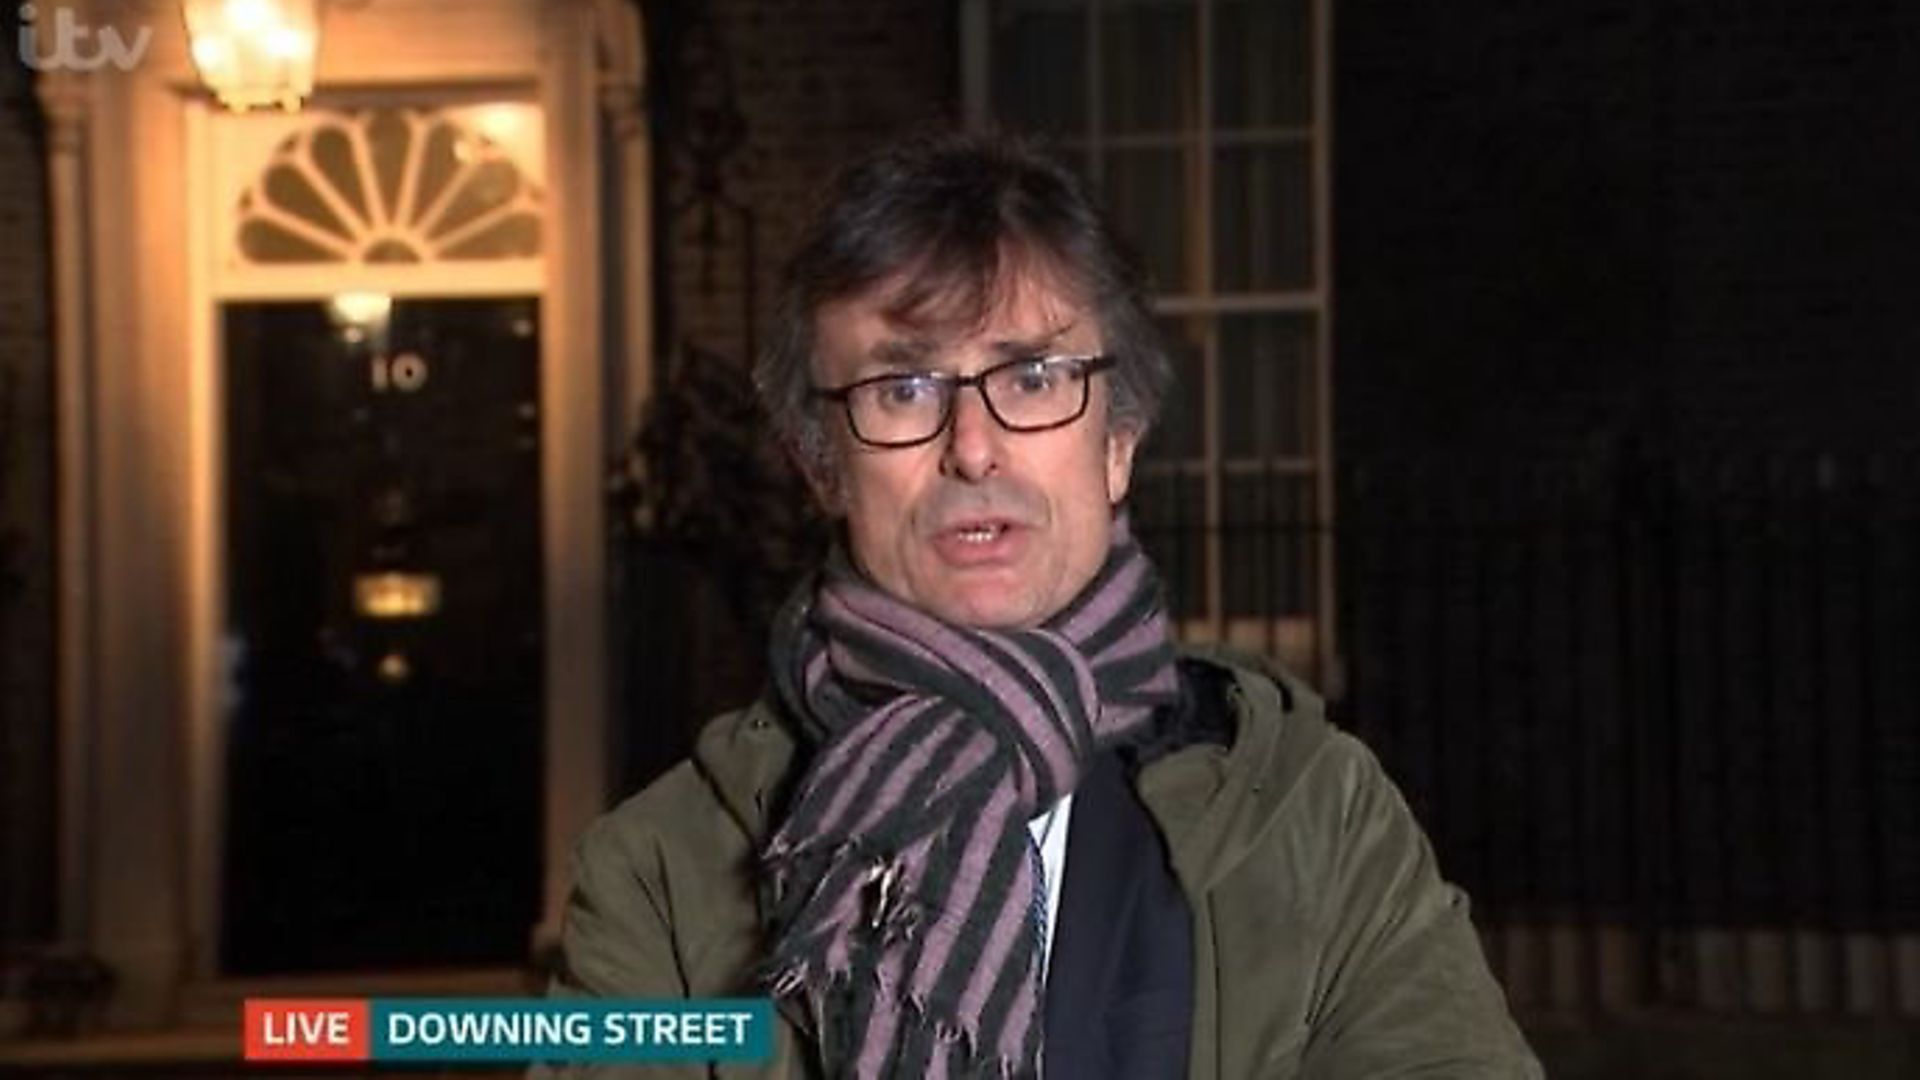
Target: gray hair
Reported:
[(953, 218)]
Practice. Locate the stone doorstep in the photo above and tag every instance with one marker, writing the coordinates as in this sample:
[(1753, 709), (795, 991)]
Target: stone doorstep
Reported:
[(133, 1048), (1675, 1045), (216, 1002)]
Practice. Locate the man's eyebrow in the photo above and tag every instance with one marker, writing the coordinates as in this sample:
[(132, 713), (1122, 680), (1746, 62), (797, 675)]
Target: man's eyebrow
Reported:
[(901, 353), (1032, 346), (914, 353)]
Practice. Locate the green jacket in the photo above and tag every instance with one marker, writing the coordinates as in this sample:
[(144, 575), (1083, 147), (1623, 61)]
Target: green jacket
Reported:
[(1326, 944)]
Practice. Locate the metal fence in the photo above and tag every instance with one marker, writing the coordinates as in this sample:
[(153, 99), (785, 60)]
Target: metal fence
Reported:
[(1661, 716)]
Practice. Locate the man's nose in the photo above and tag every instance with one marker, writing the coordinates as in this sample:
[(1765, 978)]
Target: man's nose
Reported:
[(974, 440)]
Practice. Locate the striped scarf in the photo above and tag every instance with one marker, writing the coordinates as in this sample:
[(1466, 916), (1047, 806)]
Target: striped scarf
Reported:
[(898, 887)]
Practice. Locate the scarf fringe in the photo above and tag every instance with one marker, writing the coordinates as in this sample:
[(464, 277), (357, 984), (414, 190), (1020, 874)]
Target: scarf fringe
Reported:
[(828, 994)]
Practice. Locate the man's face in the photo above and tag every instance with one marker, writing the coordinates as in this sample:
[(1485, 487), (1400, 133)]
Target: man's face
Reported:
[(982, 526)]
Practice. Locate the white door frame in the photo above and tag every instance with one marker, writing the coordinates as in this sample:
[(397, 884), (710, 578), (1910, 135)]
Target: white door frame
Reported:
[(140, 515)]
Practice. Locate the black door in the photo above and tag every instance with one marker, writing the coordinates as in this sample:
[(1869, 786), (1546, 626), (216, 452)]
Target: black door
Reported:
[(383, 632)]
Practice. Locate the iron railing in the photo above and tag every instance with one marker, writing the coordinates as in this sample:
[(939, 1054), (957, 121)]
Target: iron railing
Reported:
[(1660, 715)]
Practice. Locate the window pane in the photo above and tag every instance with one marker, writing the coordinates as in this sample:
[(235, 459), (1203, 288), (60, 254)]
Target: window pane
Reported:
[(446, 151), (515, 236), (1170, 518), (1266, 386), (289, 189), (1267, 544), (389, 138), (1147, 78), (1040, 67), (333, 156), (1262, 221), (266, 242), (1262, 63), (484, 188), (1179, 434), (1147, 193)]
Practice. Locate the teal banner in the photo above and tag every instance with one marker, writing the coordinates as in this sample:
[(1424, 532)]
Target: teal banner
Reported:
[(543, 1029)]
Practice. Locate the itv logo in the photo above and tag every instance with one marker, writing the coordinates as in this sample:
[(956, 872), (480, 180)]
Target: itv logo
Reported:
[(77, 47)]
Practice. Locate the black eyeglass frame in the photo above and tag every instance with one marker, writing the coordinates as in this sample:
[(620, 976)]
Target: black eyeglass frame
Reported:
[(1085, 367)]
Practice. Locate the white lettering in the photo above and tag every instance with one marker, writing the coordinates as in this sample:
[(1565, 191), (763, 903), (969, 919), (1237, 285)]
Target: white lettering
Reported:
[(675, 1029), (401, 1029), (462, 1028), (329, 1029)]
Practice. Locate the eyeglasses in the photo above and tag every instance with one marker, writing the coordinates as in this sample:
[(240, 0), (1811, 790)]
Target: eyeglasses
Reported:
[(1028, 394)]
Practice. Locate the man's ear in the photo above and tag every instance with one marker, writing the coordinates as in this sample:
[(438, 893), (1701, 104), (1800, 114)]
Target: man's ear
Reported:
[(1122, 441)]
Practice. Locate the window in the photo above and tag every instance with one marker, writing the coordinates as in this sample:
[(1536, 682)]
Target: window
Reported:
[(417, 200), (1204, 123)]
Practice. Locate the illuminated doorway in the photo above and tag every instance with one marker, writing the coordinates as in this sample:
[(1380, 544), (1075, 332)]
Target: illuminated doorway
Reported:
[(379, 334)]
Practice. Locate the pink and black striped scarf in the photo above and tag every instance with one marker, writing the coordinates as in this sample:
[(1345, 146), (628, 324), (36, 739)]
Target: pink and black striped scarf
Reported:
[(899, 886)]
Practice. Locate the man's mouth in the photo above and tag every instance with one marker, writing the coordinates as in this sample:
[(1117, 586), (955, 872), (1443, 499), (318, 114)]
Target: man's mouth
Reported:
[(979, 543), (983, 533)]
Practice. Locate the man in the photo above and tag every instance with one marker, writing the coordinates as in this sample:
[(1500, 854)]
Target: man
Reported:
[(987, 817)]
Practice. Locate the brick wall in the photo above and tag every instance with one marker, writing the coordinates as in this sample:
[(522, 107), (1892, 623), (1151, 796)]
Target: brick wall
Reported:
[(1795, 237), (812, 82), (26, 513), (1496, 239), (1651, 237), (1560, 223), (756, 103)]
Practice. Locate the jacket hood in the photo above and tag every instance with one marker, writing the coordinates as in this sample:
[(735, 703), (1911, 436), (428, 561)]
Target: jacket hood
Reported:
[(1212, 802), (747, 756)]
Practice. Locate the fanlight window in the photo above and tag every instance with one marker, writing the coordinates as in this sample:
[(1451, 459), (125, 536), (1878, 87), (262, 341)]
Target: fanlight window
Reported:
[(389, 186)]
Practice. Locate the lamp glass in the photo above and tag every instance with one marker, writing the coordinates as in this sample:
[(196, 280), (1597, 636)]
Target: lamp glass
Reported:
[(254, 54)]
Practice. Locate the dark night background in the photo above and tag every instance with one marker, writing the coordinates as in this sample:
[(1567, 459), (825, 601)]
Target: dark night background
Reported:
[(1624, 388)]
